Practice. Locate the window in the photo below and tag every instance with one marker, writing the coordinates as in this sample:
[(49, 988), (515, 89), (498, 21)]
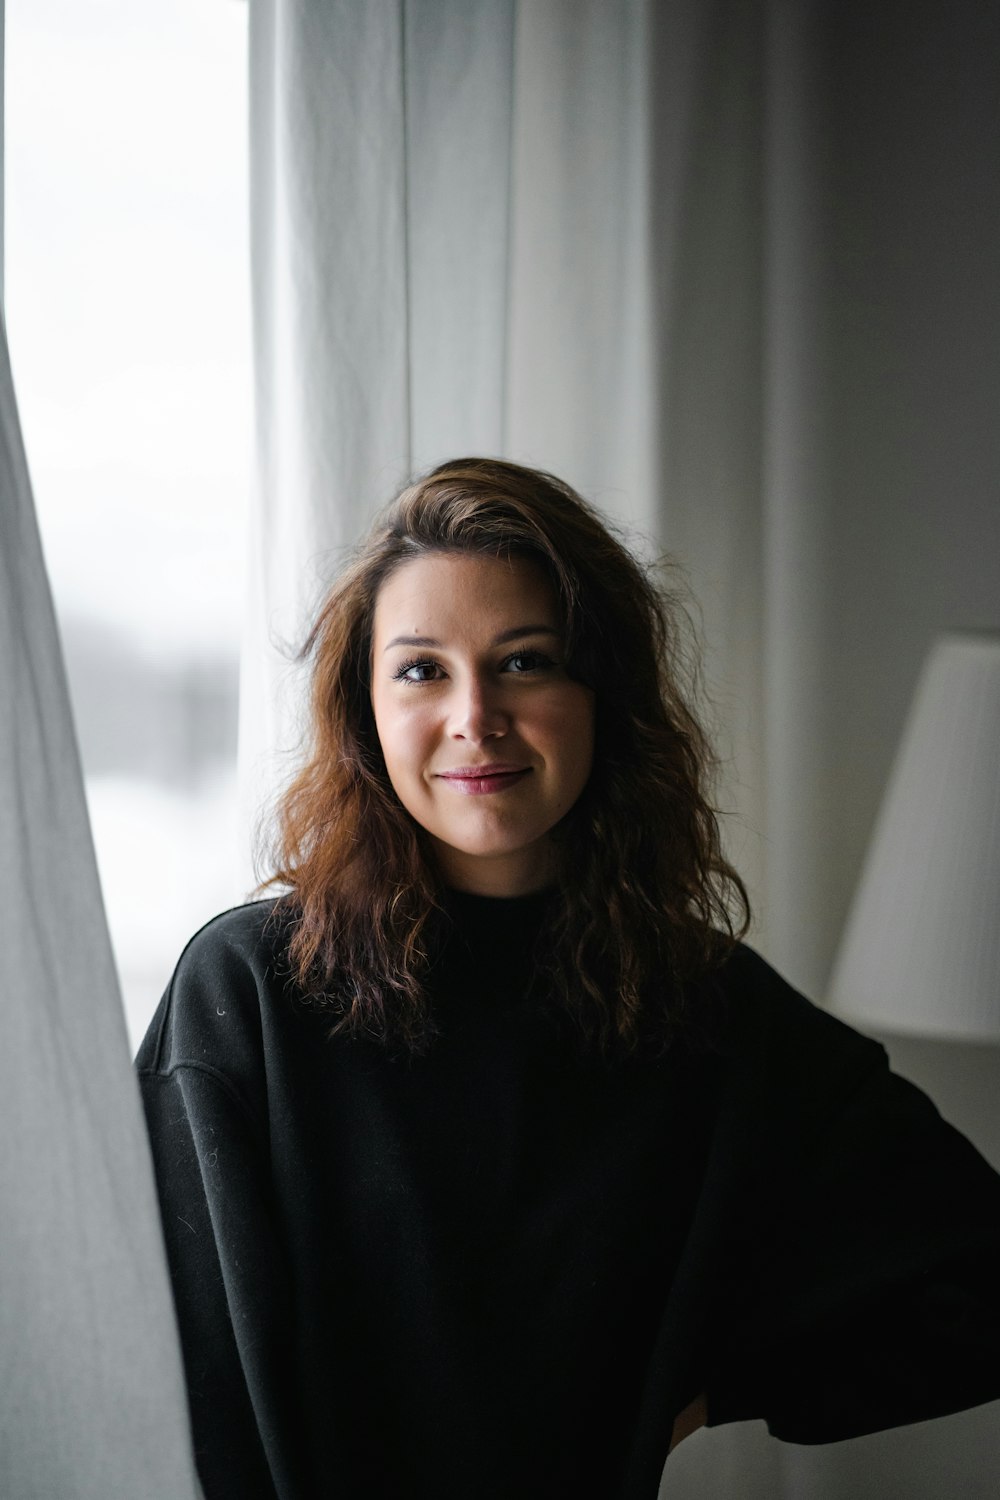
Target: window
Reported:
[(128, 314)]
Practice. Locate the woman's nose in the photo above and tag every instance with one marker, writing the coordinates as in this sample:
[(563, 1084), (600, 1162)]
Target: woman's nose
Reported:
[(477, 711)]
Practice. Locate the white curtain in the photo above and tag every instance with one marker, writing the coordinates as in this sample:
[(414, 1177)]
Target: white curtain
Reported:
[(92, 1399), (716, 264)]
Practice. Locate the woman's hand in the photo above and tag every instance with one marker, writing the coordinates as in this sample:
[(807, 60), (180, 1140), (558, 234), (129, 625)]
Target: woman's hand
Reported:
[(689, 1420)]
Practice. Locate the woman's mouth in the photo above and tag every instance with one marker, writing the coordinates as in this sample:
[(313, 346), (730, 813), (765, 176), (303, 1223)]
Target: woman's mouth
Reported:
[(477, 781)]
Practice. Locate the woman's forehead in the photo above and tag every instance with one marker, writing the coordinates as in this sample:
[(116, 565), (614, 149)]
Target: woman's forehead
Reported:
[(461, 592)]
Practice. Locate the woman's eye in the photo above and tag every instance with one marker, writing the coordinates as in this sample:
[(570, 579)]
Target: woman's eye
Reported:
[(518, 663), (528, 661), (416, 671)]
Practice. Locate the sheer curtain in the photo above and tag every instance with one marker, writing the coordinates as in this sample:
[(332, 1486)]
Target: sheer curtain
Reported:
[(730, 269), (92, 1401)]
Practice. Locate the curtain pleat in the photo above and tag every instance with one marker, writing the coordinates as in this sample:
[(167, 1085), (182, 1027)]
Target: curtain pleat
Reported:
[(459, 107), (92, 1399)]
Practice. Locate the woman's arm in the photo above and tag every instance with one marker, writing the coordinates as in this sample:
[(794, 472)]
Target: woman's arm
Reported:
[(879, 1305), (228, 1285), (200, 1069)]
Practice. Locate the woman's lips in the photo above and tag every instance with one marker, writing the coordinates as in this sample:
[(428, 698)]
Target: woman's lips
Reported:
[(477, 781)]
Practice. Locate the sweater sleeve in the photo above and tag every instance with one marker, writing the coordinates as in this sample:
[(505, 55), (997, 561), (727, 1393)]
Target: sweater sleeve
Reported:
[(878, 1298), (212, 1167)]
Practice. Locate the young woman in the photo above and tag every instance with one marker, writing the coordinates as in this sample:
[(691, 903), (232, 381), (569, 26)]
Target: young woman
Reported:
[(491, 1162)]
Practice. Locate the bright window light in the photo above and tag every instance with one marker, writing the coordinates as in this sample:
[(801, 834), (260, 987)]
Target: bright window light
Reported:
[(128, 315)]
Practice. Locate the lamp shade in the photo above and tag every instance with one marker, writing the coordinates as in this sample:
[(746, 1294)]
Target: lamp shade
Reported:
[(921, 949)]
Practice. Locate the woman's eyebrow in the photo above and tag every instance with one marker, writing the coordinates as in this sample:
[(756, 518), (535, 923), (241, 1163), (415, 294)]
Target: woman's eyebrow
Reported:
[(498, 640), (512, 635)]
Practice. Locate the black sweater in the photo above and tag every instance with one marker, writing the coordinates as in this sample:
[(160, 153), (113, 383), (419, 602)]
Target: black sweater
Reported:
[(498, 1270)]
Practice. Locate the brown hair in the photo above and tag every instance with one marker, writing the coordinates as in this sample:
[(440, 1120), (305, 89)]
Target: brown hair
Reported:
[(650, 898)]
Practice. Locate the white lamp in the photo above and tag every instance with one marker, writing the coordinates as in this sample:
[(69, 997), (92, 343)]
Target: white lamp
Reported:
[(921, 950)]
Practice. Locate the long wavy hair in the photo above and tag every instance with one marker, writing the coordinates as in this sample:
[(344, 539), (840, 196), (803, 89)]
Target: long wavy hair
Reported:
[(644, 898)]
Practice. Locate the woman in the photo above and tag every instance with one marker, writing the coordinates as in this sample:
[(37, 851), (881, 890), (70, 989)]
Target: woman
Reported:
[(491, 1162)]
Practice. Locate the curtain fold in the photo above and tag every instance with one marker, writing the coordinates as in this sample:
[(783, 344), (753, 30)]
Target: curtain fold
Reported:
[(92, 1399), (92, 1396)]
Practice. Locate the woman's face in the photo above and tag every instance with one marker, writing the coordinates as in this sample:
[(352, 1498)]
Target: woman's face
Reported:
[(487, 741)]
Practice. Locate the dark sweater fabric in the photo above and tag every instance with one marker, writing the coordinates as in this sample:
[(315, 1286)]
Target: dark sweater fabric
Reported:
[(501, 1270)]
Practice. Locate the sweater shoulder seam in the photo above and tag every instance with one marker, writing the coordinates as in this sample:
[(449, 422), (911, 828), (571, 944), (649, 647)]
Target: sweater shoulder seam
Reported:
[(216, 1075)]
